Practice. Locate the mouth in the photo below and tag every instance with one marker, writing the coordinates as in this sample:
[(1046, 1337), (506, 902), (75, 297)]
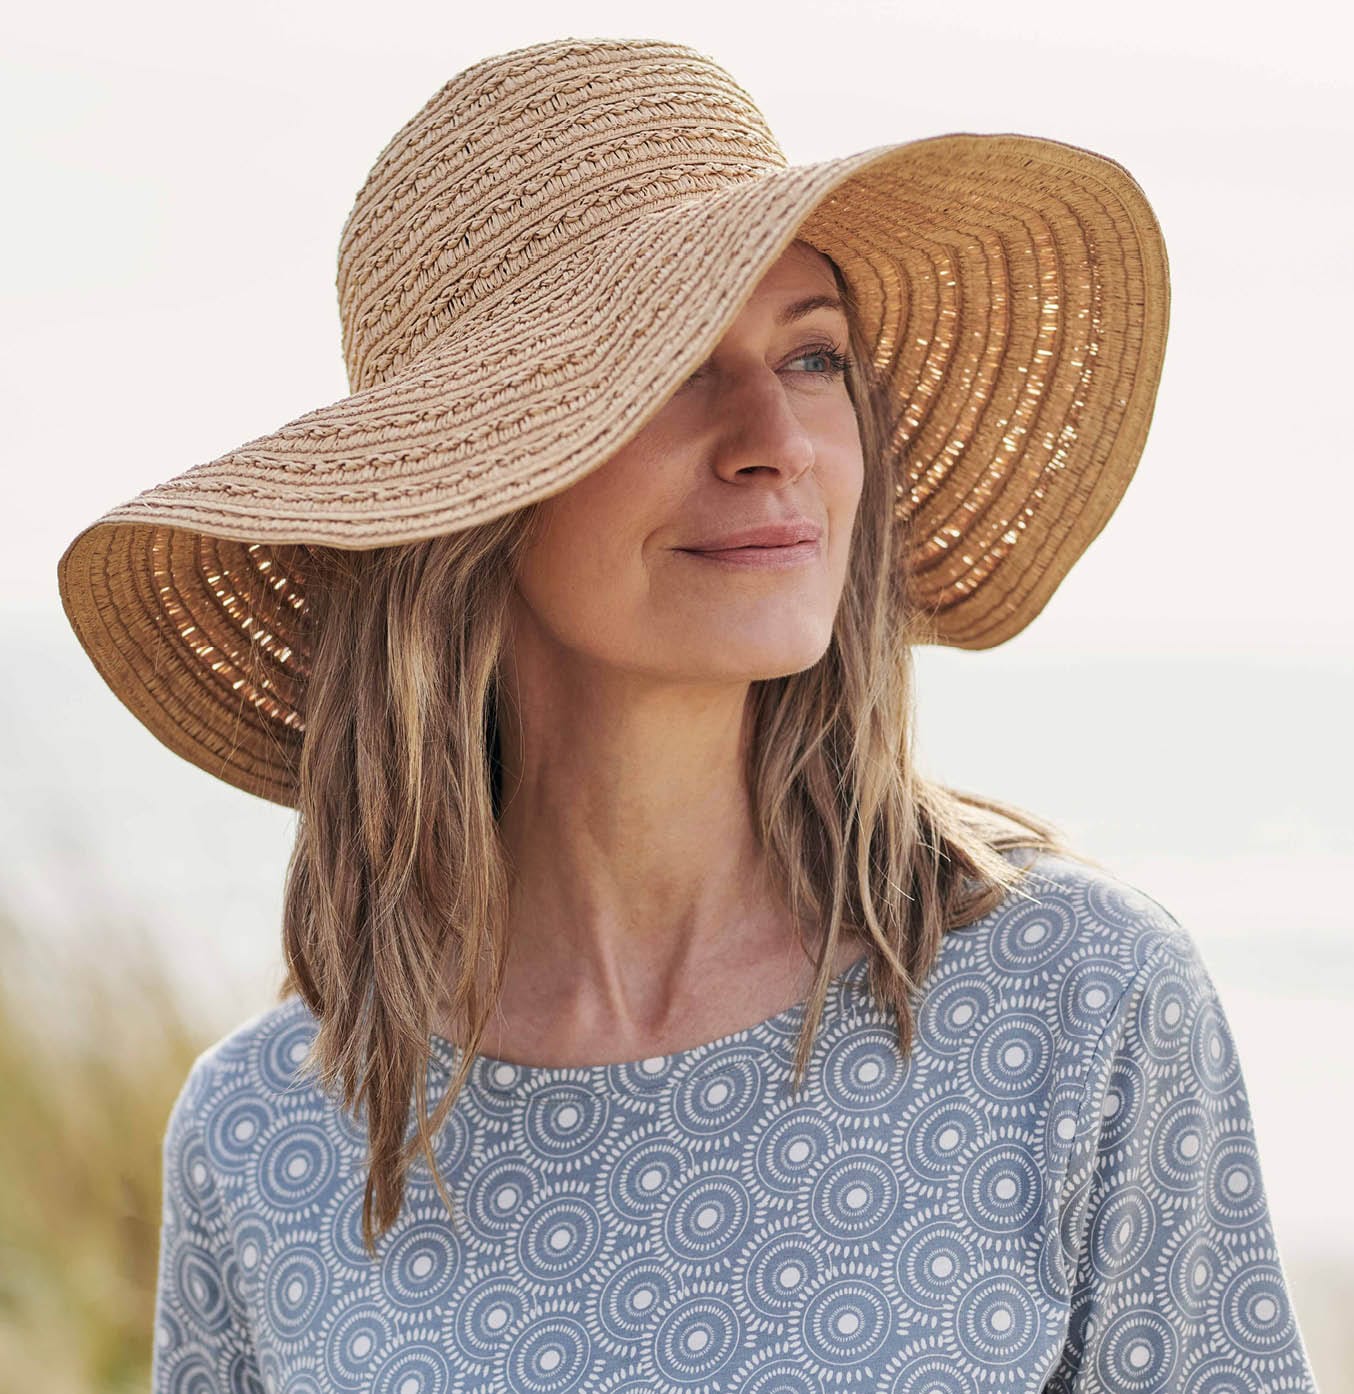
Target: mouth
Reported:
[(789, 554)]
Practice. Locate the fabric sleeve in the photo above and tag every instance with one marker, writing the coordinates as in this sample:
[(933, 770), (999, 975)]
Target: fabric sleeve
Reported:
[(202, 1341), (1176, 1285)]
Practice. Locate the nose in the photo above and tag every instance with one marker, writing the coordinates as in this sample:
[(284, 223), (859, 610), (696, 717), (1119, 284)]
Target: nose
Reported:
[(757, 432)]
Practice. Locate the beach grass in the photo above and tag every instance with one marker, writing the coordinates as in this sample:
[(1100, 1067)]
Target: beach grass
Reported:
[(93, 1050)]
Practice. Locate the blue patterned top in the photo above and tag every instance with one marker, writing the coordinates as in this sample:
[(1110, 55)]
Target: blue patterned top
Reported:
[(1059, 1190)]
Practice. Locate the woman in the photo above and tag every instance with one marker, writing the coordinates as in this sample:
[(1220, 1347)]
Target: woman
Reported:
[(761, 1062)]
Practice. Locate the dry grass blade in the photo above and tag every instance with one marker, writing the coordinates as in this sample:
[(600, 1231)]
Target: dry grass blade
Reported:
[(93, 1050)]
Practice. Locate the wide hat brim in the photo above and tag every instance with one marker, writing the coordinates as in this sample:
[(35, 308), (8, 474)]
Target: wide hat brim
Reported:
[(1015, 291)]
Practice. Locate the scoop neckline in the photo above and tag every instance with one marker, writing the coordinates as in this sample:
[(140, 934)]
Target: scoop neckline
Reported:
[(510, 1074)]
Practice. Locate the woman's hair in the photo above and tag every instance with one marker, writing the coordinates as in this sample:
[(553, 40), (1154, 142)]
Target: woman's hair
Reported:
[(397, 886)]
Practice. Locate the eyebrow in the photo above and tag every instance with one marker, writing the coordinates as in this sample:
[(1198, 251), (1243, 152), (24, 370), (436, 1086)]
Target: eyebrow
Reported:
[(797, 309)]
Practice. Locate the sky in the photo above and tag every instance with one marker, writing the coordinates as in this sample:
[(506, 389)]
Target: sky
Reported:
[(177, 179), (187, 173)]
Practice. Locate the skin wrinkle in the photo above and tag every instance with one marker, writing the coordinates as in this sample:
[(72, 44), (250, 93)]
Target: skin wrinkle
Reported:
[(642, 919)]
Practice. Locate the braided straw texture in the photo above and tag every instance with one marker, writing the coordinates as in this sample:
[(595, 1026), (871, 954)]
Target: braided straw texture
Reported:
[(546, 250)]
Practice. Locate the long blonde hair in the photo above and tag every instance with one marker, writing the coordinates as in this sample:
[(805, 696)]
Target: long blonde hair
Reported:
[(397, 885)]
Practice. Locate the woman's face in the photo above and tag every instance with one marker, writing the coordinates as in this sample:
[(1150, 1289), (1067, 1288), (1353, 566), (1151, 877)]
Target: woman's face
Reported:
[(764, 431)]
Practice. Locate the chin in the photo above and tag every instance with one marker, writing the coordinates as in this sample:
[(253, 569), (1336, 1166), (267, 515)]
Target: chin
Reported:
[(760, 660)]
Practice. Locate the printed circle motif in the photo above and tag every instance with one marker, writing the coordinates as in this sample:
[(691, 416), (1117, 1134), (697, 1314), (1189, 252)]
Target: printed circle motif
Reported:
[(845, 1322), (780, 1377), (1179, 1146), (1137, 1352), (1060, 1123), (779, 1272), (1213, 1051), (631, 1295), (198, 1283), (932, 1374), (1119, 905), (1013, 1056), (1001, 1189), (1192, 1271), (1088, 994), (497, 1194), (1254, 1314), (194, 1172), (641, 1077), (941, 1132), (996, 1322), (560, 1239), (791, 1150), (490, 1307), (252, 1235), (419, 1268), (707, 1218), (236, 1128), (1034, 934), (1236, 1197), (863, 1071), (950, 1010), (1122, 1232), (1220, 1374), (564, 1122), (855, 1198), (302, 1382), (1123, 1102), (641, 1177), (932, 1262), (297, 1285), (696, 1340), (550, 1356), (283, 1052), (353, 1345), (1163, 1018), (719, 1092), (296, 1166), (343, 1230), (417, 1367)]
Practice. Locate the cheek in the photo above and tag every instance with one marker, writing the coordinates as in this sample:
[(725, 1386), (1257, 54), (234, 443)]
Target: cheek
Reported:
[(583, 576), (843, 481)]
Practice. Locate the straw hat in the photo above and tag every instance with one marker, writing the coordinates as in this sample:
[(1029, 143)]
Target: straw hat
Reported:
[(582, 220)]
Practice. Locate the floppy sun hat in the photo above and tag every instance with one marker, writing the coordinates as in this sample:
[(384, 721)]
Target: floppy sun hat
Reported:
[(537, 259)]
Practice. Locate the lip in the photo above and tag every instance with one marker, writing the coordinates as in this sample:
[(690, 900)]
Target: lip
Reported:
[(786, 555), (782, 533)]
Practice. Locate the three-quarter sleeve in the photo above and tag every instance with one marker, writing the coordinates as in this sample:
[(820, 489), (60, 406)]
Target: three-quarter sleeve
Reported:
[(201, 1339), (1176, 1285)]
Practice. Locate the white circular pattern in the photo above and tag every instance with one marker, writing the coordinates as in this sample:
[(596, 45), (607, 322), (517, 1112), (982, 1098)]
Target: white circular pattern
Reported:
[(941, 1132), (789, 1149), (949, 1013), (354, 1344), (779, 1271), (640, 1176), (1059, 1182), (933, 1261), (1088, 987), (1034, 935)]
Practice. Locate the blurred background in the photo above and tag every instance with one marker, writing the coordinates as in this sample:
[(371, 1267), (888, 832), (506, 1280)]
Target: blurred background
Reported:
[(178, 178)]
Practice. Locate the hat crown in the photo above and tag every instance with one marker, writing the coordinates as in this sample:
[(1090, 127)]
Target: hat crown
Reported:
[(519, 160)]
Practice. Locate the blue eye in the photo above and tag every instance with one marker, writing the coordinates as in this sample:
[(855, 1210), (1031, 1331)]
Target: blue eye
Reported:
[(837, 361)]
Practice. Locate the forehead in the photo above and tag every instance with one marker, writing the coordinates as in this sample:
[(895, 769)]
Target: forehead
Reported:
[(800, 282)]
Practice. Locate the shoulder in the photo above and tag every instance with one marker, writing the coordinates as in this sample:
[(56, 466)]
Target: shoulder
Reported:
[(244, 1085), (1074, 944), (1094, 908)]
